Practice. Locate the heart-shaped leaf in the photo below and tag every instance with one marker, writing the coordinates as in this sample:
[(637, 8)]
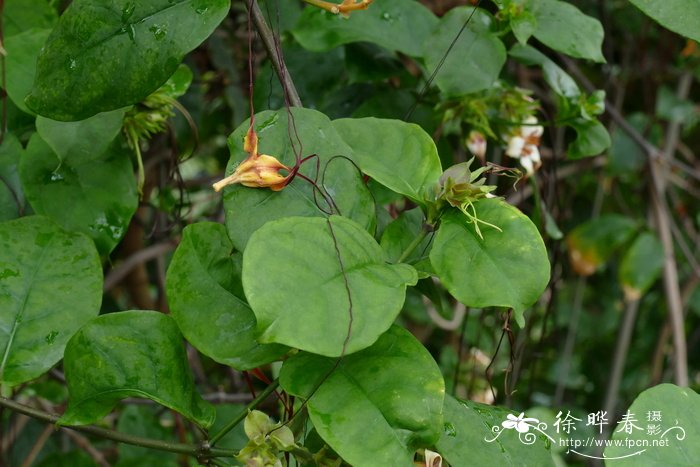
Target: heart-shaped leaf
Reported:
[(247, 209), (50, 284), (129, 354), (507, 267), (399, 155), (468, 429), (78, 174), (375, 407), (141, 43), (664, 419), (201, 284), (322, 285)]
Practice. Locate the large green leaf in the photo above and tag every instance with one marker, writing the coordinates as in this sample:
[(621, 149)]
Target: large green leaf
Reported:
[(21, 15), (82, 177), (468, 429), (375, 407), (401, 25), (399, 155), (102, 57), (11, 193), (22, 51), (681, 16), (563, 27), (247, 209), (129, 354), (322, 285), (201, 284), (50, 284), (675, 432), (506, 268), (474, 62)]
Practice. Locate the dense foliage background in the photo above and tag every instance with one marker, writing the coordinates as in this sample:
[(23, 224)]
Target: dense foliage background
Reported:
[(612, 192)]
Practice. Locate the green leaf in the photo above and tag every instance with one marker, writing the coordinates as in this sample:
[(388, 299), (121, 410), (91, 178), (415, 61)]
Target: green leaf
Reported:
[(85, 191), (591, 139), (50, 284), (679, 410), (401, 232), (82, 140), (399, 155), (468, 426), (680, 16), (141, 43), (18, 16), (641, 265), (178, 84), (12, 201), (591, 243), (375, 407), (508, 268), (328, 274), (400, 25), (129, 354), (558, 79), (22, 51), (201, 284), (247, 209), (523, 26), (563, 27), (476, 59)]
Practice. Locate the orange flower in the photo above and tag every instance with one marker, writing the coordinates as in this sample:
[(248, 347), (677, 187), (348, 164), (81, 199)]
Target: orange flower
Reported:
[(257, 170)]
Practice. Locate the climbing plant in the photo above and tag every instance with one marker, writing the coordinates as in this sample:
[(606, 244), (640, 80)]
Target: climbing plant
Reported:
[(346, 211)]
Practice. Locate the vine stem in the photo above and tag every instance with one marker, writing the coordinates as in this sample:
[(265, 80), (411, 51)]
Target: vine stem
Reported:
[(424, 231), (275, 55), (253, 404), (190, 449)]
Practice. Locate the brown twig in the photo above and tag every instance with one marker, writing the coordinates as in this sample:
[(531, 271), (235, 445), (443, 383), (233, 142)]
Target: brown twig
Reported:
[(274, 54), (38, 446), (657, 159), (194, 450), (117, 274)]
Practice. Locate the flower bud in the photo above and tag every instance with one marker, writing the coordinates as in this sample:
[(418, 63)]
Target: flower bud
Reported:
[(476, 143), (257, 170)]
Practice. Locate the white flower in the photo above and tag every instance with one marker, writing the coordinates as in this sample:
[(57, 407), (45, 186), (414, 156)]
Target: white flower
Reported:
[(524, 144), (432, 459), (476, 143), (520, 423)]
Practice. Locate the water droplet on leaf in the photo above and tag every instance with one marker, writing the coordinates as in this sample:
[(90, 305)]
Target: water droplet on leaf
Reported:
[(159, 32), (50, 337), (56, 177), (127, 11), (450, 430)]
